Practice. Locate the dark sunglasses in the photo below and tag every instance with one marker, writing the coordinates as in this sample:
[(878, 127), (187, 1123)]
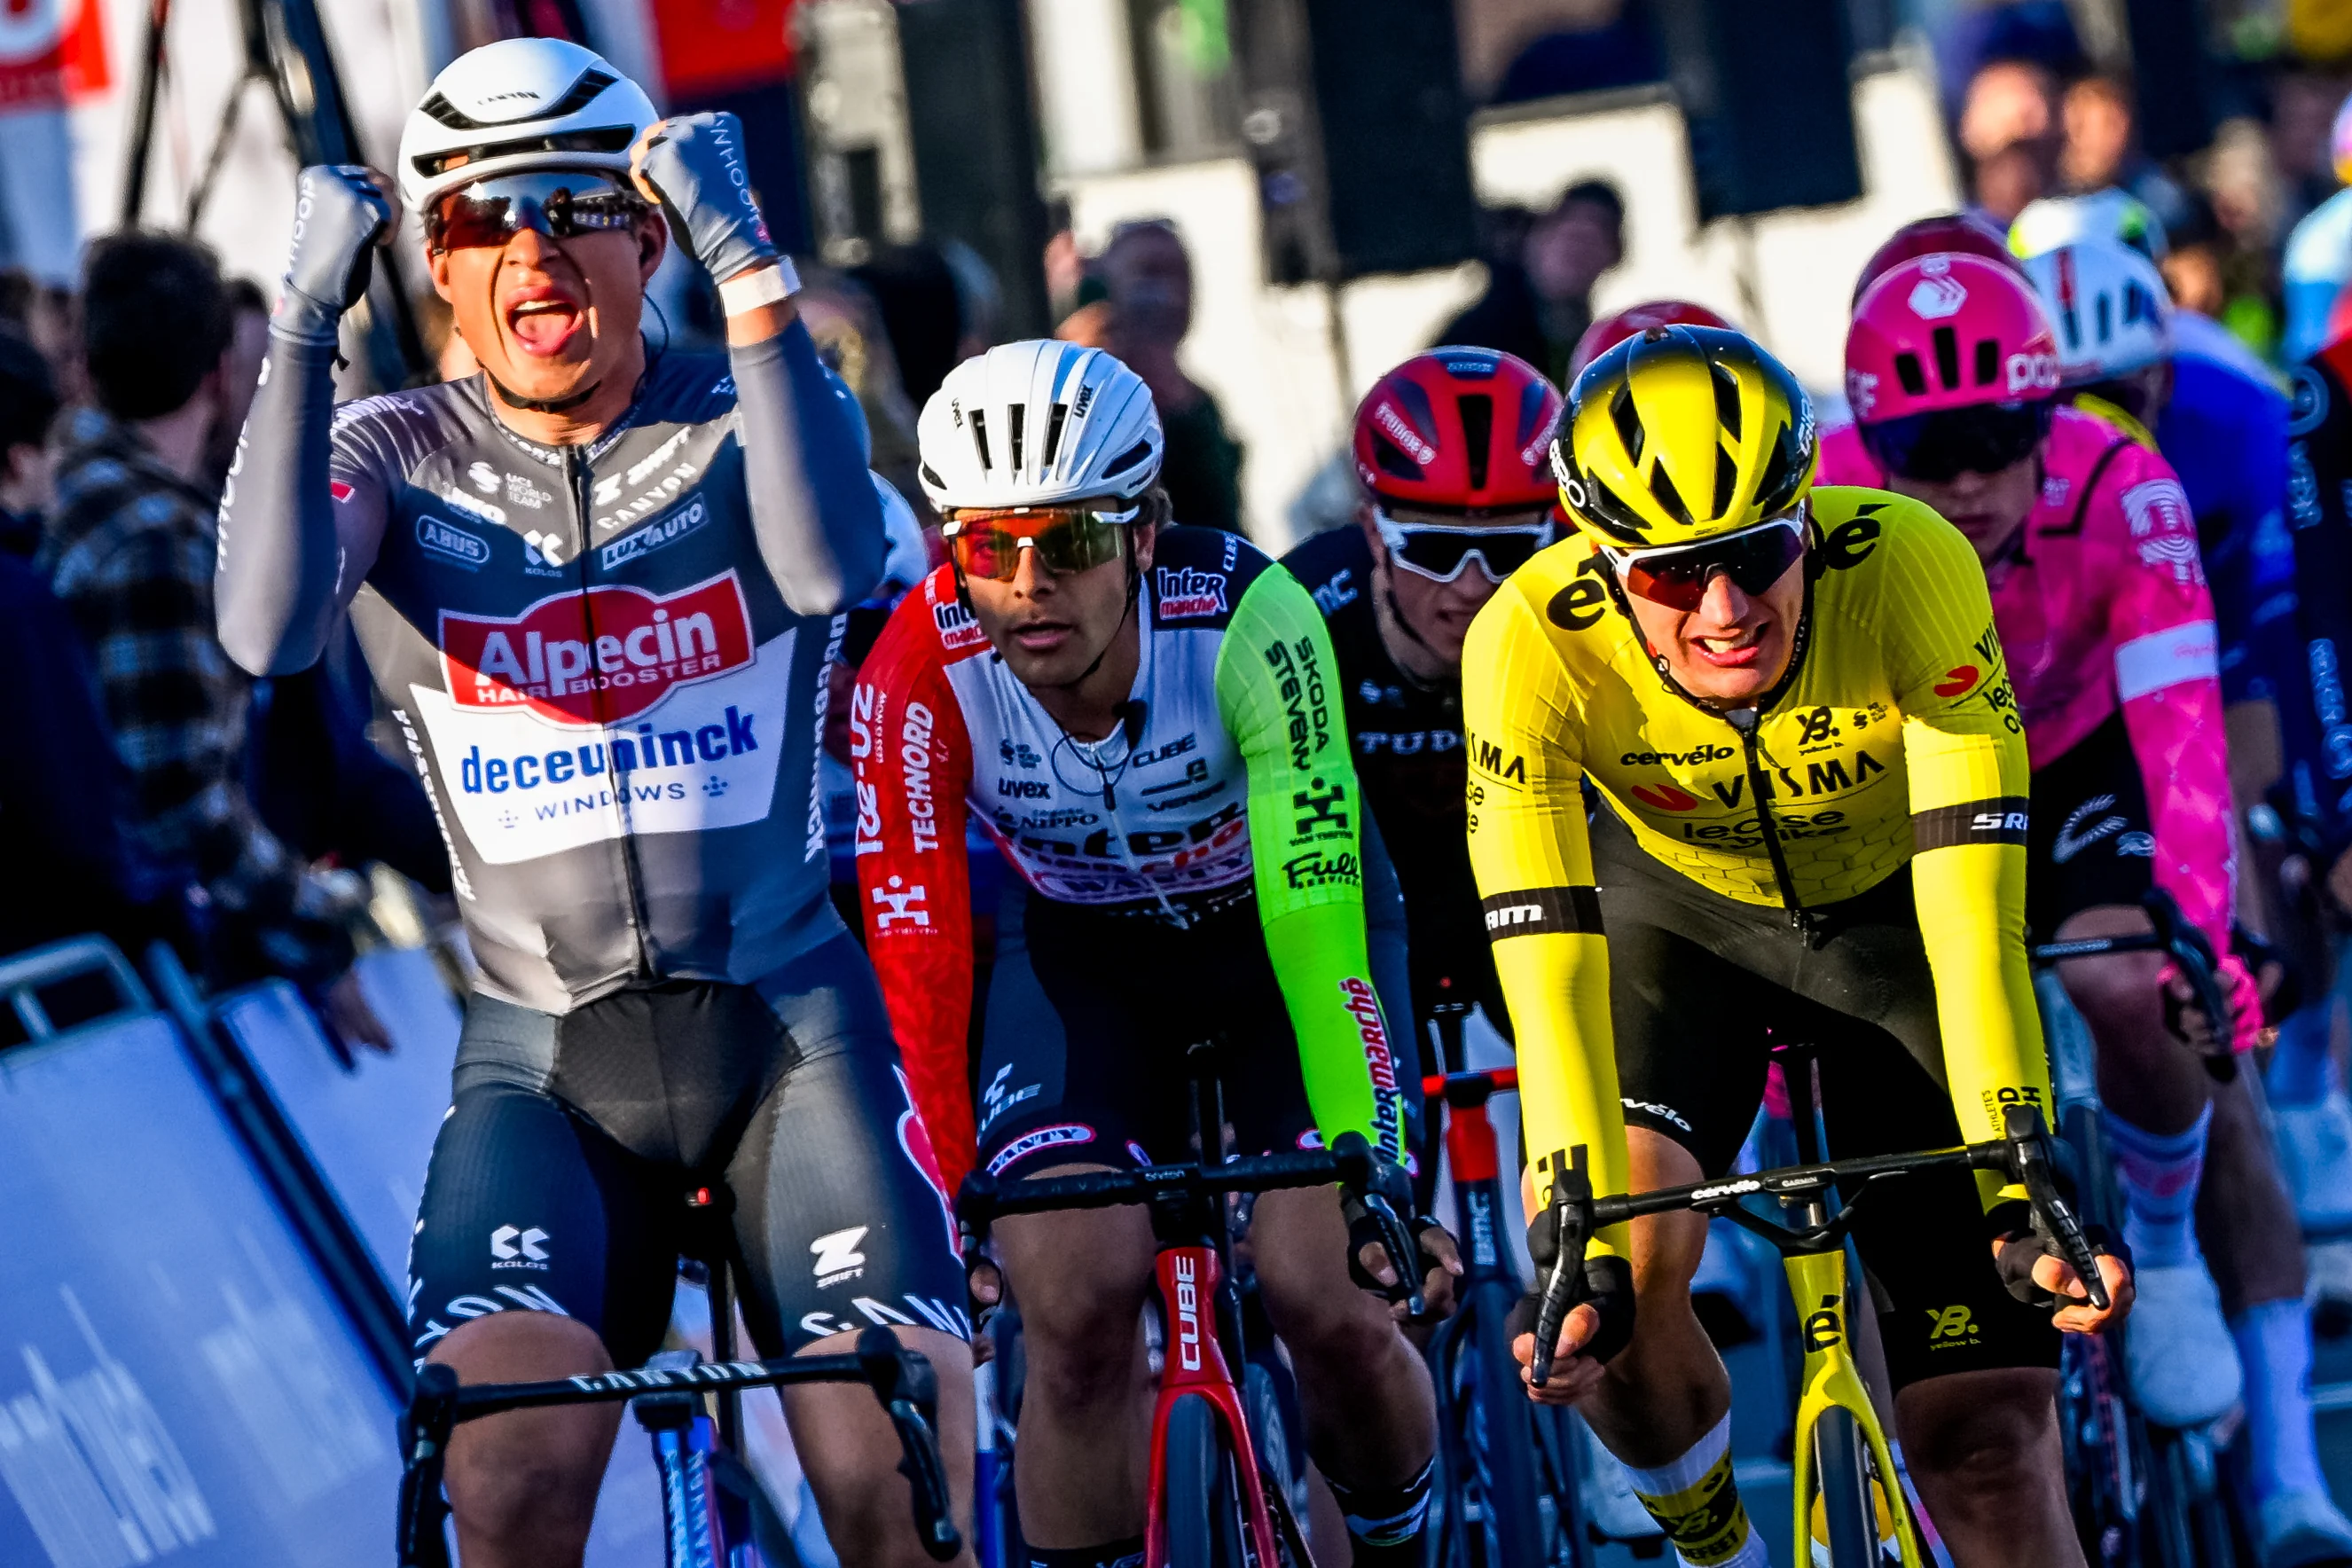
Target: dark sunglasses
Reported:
[(1443, 552), (1753, 559), (558, 203), (1065, 538), (1942, 445)]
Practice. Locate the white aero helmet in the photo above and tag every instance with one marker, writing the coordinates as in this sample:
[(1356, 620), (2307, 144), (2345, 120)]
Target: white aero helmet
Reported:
[(520, 103), (2110, 214), (2109, 305), (1037, 423)]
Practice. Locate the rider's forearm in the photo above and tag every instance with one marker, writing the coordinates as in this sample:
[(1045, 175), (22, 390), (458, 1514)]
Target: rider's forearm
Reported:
[(1345, 1054), (2178, 738), (275, 587), (1972, 904), (813, 509)]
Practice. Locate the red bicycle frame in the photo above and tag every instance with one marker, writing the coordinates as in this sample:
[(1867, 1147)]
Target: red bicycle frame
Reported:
[(1194, 1363)]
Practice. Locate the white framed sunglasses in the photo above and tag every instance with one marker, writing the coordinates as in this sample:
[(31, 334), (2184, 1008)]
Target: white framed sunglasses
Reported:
[(1443, 552)]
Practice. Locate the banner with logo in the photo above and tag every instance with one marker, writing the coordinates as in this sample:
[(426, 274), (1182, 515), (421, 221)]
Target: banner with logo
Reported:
[(51, 52)]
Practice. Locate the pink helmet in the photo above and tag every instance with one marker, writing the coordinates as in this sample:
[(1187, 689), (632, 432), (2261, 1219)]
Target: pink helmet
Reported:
[(1948, 331)]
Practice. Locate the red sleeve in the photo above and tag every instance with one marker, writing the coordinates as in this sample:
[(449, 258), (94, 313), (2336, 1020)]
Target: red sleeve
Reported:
[(913, 762), (2160, 620)]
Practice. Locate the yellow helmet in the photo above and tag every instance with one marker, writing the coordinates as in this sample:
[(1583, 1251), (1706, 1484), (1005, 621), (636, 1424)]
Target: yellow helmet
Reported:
[(1679, 434)]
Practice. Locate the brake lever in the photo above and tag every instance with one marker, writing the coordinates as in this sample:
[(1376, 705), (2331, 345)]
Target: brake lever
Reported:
[(1404, 1255), (1571, 1208), (909, 1389), (2032, 1161), (2193, 956), (1362, 1193)]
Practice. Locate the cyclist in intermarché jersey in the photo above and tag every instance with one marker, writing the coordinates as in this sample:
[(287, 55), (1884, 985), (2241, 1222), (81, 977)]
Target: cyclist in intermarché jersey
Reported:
[(1146, 718), (598, 583)]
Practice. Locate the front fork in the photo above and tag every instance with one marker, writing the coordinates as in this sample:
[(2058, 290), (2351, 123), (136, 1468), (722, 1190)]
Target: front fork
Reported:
[(1817, 1280), (1194, 1363)]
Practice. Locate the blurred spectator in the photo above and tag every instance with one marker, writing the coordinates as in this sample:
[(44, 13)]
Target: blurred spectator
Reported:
[(2101, 148), (45, 313), (2192, 267), (2303, 104), (1540, 300), (1149, 277), (2039, 33), (847, 327), (248, 340), (2009, 130), (69, 869), (28, 404), (1619, 52), (2241, 184), (130, 552), (922, 312), (980, 299), (1066, 260)]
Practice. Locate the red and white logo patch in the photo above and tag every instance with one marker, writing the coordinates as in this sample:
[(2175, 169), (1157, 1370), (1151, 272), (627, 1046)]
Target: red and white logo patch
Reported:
[(599, 656)]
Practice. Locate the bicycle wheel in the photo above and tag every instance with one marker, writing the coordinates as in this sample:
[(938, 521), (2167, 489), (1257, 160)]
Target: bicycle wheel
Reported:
[(1845, 1529), (1197, 1490)]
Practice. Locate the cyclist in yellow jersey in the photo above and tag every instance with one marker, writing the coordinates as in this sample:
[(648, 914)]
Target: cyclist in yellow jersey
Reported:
[(1811, 787)]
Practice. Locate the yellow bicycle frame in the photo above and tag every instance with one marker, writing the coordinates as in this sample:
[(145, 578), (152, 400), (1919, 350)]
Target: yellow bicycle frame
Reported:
[(1817, 1282)]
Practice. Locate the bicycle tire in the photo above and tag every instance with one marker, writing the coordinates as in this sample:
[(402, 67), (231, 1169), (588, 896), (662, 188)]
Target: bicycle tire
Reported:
[(1849, 1521), (1201, 1507), (1500, 1434)]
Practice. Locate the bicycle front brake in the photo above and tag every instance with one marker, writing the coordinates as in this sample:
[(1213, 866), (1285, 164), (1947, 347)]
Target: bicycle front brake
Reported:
[(2033, 1162), (1563, 1284), (1373, 1192), (904, 1381)]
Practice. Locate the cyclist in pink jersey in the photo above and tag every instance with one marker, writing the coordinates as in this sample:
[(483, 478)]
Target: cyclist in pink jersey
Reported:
[(2100, 599)]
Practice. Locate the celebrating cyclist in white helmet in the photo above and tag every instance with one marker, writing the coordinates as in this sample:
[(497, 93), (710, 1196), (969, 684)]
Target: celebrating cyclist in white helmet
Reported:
[(598, 585), (1147, 721)]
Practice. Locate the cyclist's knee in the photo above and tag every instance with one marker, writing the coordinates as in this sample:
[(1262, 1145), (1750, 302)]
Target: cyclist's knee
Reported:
[(1080, 1280), (1982, 1435), (523, 1485), (1333, 1323), (2115, 993)]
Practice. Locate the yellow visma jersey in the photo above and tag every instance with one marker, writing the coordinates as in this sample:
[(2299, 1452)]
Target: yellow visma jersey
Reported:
[(1894, 738)]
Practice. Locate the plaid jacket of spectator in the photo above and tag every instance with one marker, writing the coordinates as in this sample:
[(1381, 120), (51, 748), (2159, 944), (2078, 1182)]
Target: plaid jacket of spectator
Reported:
[(129, 553)]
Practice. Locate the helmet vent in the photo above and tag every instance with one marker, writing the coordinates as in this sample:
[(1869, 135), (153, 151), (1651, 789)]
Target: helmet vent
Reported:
[(1777, 476), (1127, 459), (1947, 358), (1727, 475), (1907, 371), (1988, 362), (980, 440), (1726, 399), (1663, 488), (1016, 416), (1391, 459), (1531, 408), (1478, 431), (931, 477), (582, 94), (1628, 422), (1054, 423)]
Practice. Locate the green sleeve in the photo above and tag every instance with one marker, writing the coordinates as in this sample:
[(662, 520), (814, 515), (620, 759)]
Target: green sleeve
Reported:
[(1278, 693)]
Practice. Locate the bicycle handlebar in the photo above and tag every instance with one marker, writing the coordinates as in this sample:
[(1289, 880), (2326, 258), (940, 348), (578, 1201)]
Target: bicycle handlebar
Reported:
[(903, 1381), (2026, 1155), (1351, 1160), (2179, 940)]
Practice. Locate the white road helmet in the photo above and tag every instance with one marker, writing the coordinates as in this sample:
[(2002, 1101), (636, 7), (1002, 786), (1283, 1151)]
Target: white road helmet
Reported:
[(2109, 305), (520, 103), (1037, 423), (2110, 214)]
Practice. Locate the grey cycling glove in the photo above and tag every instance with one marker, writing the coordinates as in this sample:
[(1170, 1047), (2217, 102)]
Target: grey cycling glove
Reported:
[(695, 164), (339, 215)]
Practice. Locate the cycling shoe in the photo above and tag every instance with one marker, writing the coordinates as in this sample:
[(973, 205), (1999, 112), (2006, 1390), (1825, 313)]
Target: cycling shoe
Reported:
[(2314, 1148), (2302, 1530), (2177, 1348)]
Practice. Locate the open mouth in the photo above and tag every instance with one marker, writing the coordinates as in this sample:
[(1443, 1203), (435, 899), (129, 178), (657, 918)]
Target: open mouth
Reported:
[(1041, 636), (1737, 651), (543, 317)]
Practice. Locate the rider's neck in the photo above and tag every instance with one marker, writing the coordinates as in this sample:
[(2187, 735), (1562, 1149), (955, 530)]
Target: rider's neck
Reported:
[(585, 421), (1089, 709)]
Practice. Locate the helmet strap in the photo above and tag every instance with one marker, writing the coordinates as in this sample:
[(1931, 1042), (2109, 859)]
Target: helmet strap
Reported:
[(514, 399)]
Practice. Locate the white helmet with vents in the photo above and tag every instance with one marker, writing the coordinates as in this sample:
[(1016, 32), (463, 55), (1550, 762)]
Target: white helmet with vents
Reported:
[(520, 103), (1038, 424), (2109, 306)]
